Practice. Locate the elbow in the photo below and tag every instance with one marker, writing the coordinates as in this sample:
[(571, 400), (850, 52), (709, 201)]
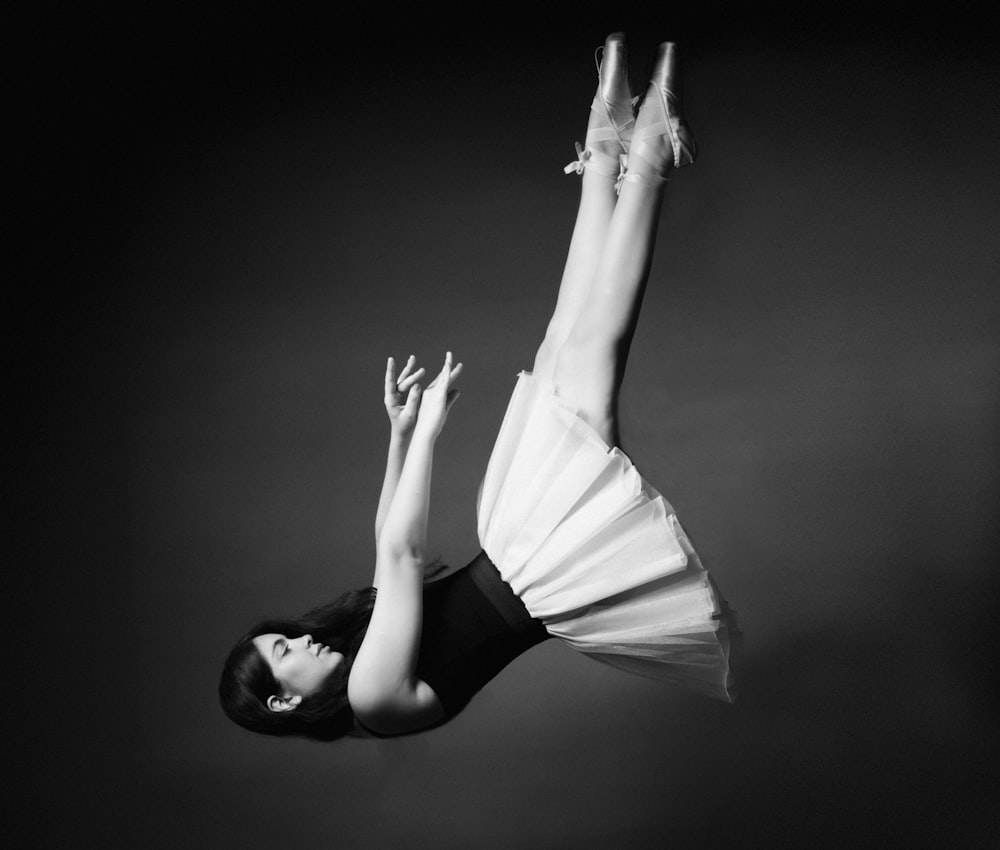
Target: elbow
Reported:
[(399, 549), (396, 557)]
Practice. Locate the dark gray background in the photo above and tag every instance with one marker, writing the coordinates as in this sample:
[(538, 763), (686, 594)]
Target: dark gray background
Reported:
[(236, 216)]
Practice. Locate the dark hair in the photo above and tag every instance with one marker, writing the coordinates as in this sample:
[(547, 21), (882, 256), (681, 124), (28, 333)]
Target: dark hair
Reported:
[(247, 680)]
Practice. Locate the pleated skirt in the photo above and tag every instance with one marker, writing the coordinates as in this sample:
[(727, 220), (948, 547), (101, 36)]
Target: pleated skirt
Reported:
[(596, 553)]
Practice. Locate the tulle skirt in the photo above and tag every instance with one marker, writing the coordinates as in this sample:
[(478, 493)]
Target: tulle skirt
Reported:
[(595, 552)]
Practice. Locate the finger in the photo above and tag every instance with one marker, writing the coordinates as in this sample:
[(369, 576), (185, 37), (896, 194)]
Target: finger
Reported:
[(413, 399), (404, 383), (445, 368), (391, 397), (444, 373), (406, 369), (456, 371)]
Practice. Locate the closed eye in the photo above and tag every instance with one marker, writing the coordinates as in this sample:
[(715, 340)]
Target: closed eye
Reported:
[(282, 645)]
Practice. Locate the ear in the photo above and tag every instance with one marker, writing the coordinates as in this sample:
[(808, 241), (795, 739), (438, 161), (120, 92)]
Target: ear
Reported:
[(285, 703)]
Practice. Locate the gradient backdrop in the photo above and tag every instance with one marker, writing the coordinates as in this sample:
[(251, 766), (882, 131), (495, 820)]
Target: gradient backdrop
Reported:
[(246, 212)]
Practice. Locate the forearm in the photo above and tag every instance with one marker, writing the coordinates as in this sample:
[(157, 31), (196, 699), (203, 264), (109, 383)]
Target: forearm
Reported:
[(383, 685), (404, 533), (398, 445)]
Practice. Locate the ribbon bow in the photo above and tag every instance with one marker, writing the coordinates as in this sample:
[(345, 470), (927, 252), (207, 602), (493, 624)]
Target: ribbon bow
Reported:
[(622, 168), (581, 160)]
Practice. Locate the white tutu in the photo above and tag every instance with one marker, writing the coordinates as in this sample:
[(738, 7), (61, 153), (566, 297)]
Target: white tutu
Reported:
[(595, 552)]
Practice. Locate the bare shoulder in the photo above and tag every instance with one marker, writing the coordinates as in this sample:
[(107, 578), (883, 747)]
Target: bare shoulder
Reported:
[(393, 710)]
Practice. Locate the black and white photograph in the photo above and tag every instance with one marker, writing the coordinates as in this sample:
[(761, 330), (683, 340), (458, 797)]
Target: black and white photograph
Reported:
[(505, 426)]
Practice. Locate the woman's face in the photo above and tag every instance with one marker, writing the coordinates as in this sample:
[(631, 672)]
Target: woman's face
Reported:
[(300, 665)]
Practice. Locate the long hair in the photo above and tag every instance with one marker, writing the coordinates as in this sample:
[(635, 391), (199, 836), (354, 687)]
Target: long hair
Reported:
[(247, 680)]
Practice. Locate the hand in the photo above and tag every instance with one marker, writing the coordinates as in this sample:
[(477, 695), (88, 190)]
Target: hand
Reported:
[(400, 404), (438, 399)]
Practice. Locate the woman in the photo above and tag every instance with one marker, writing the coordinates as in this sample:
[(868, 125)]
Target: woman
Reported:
[(576, 544)]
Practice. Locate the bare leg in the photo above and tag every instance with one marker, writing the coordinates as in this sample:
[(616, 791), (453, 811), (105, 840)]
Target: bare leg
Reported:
[(590, 364), (609, 131), (597, 204), (591, 361)]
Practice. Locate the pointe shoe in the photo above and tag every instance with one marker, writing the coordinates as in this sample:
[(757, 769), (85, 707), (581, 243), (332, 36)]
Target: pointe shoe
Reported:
[(609, 132), (661, 140)]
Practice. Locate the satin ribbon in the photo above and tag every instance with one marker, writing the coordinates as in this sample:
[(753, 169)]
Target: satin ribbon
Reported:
[(581, 160), (622, 168)]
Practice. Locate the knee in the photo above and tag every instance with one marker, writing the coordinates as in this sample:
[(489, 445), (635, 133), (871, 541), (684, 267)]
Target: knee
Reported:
[(588, 384), (587, 369)]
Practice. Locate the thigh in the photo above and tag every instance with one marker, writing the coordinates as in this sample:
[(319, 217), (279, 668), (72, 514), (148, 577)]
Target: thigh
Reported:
[(547, 356), (587, 379)]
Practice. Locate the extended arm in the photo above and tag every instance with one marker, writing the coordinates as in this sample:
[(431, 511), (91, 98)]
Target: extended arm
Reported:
[(398, 444), (384, 689), (402, 398)]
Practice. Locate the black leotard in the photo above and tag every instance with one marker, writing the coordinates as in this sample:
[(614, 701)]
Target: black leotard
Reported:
[(474, 626)]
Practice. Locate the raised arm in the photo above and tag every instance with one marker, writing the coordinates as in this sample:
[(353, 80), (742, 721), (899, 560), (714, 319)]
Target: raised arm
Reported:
[(384, 690), (402, 398)]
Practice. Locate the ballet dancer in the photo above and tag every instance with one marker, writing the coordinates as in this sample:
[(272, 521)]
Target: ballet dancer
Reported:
[(576, 544)]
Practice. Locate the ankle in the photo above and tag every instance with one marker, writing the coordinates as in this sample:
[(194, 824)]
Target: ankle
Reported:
[(649, 165), (646, 180), (596, 162)]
